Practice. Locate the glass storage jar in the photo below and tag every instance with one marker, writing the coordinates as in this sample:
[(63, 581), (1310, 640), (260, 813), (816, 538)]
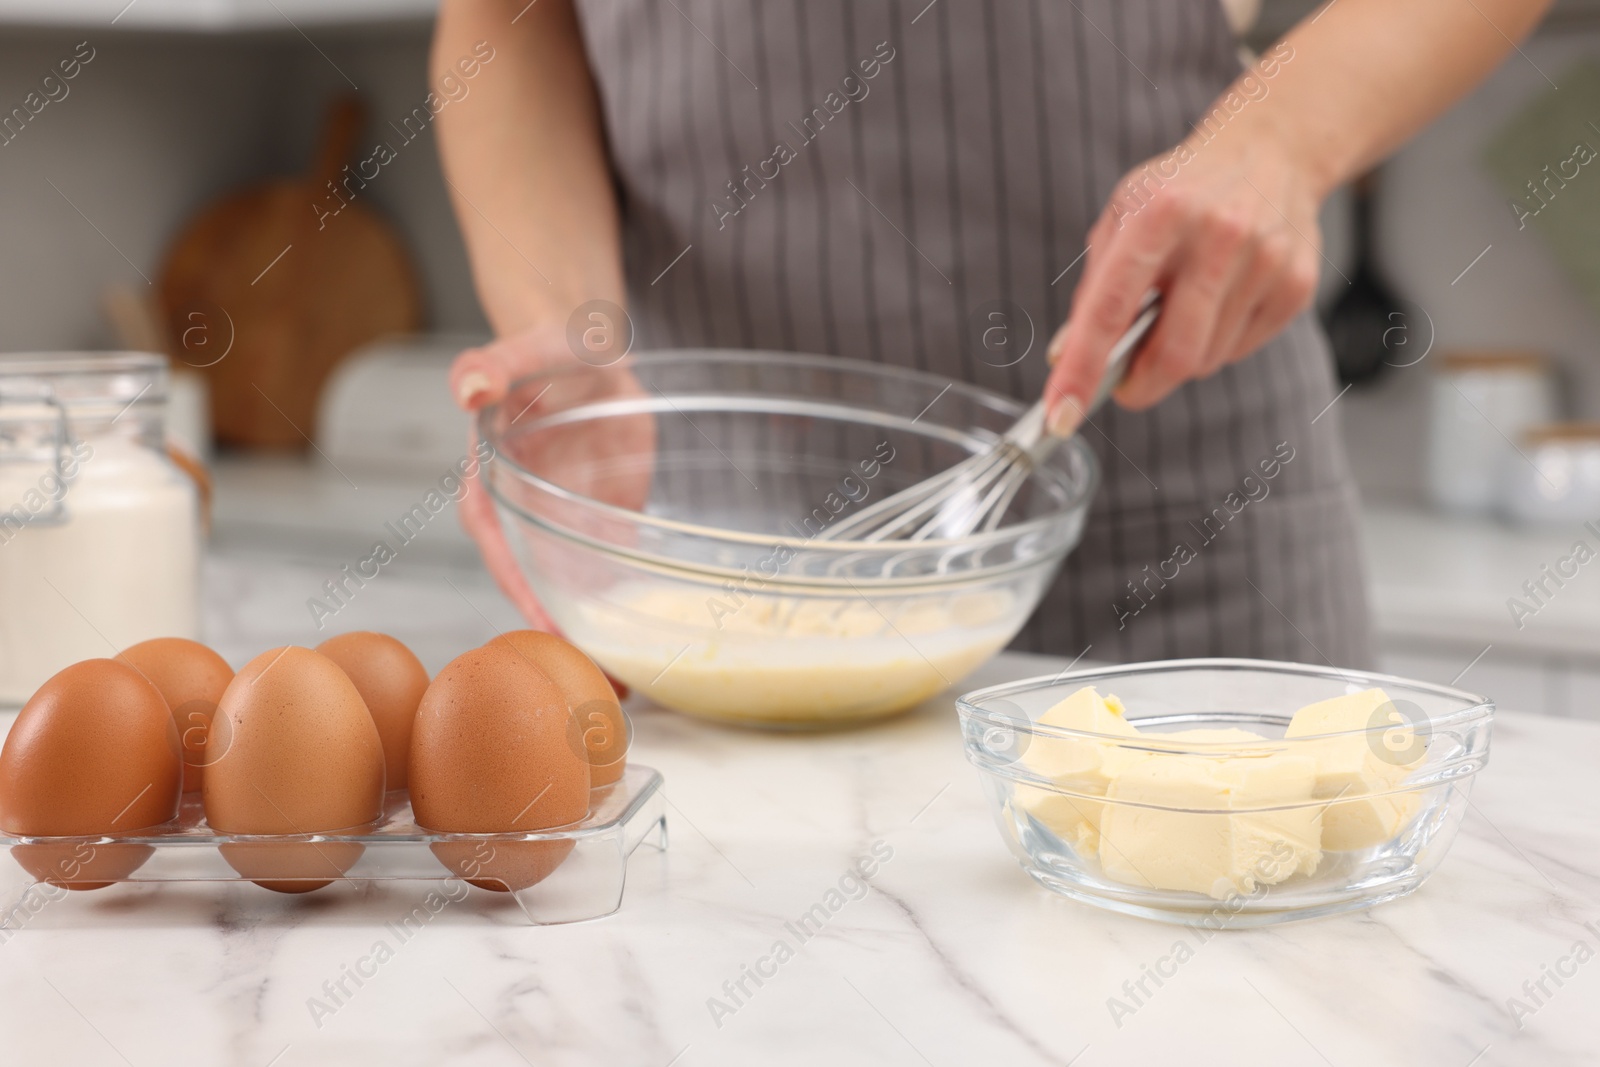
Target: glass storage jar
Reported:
[(1481, 402), (99, 529)]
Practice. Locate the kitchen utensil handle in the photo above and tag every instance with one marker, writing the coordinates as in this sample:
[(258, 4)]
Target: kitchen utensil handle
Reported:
[(1121, 356), (339, 131), (1029, 432)]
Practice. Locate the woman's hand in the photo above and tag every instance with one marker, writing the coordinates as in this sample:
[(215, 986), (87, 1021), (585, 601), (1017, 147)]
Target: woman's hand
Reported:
[(1227, 232), (609, 460), (481, 376), (1225, 226)]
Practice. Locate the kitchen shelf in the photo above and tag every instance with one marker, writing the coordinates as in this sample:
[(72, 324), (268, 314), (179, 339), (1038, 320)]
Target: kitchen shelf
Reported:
[(212, 16)]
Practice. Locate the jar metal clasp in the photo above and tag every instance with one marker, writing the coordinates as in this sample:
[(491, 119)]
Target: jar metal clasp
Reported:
[(56, 514)]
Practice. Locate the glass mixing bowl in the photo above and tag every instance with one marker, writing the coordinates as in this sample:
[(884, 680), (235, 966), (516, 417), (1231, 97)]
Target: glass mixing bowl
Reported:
[(1220, 829), (667, 512)]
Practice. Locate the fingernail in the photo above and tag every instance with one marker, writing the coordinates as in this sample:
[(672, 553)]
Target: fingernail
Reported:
[(1053, 353), (473, 385), (1066, 418)]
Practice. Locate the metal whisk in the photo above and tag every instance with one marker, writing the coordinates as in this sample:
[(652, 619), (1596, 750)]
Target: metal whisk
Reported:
[(975, 493)]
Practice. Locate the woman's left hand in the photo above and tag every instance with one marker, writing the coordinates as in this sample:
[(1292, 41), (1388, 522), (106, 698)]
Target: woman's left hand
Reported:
[(1227, 231)]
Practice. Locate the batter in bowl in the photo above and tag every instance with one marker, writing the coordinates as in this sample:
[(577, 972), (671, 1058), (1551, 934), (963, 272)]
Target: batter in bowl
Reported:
[(794, 661)]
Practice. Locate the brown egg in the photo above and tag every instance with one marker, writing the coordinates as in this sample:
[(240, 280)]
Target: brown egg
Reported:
[(496, 750), (601, 723), (292, 750), (391, 681), (502, 866), (191, 677), (93, 752)]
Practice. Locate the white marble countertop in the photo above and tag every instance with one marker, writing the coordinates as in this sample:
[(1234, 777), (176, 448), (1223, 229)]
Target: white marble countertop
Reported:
[(954, 956), (1449, 579)]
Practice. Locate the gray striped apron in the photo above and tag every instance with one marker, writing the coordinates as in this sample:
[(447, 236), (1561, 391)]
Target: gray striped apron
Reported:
[(945, 156)]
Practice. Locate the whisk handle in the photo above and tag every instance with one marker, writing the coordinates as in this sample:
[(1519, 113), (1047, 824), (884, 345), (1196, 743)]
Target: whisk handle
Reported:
[(1029, 432), (1122, 352)]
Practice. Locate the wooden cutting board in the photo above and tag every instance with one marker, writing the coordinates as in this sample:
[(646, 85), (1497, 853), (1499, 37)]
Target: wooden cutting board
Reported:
[(271, 286)]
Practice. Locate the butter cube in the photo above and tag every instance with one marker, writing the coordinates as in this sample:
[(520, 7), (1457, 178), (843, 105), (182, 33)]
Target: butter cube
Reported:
[(1076, 818), (1081, 765), (1190, 823), (1351, 772), (1087, 710), (1286, 838)]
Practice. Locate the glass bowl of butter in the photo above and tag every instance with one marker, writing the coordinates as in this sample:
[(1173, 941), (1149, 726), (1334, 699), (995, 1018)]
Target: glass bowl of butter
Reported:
[(1227, 793), (670, 512)]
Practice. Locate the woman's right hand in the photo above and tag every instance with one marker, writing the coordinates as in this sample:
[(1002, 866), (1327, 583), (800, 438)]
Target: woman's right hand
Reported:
[(605, 460)]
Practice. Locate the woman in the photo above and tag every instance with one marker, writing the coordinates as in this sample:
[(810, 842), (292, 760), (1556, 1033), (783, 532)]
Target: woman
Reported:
[(928, 183)]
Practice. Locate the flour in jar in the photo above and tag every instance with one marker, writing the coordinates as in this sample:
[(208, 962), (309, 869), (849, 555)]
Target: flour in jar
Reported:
[(120, 565)]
